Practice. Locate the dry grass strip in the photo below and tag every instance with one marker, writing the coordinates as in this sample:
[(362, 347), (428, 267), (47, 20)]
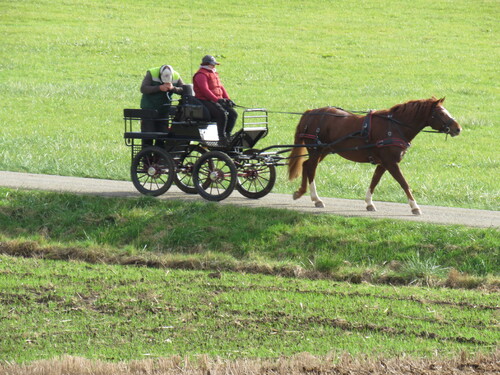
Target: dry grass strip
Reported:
[(303, 363)]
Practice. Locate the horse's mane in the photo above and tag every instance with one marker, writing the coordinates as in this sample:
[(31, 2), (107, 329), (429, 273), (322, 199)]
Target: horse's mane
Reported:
[(415, 108), (410, 110)]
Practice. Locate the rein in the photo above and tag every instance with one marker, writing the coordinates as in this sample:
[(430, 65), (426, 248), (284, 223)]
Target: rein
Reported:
[(312, 114), (445, 128), (390, 118)]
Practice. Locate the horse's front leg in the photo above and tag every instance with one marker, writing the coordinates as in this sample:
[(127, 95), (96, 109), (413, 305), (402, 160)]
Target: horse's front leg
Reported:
[(377, 175), (395, 171)]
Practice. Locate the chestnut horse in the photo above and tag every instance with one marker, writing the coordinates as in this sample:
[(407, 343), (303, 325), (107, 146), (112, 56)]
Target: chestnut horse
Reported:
[(380, 137)]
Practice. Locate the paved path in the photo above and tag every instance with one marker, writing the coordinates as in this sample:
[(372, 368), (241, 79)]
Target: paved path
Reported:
[(343, 207)]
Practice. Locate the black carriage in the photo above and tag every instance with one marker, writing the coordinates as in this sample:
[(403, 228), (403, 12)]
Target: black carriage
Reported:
[(186, 152)]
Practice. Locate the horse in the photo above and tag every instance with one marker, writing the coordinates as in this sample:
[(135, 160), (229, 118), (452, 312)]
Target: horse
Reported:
[(378, 137)]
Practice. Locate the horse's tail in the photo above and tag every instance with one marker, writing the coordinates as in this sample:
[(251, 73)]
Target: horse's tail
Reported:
[(297, 156)]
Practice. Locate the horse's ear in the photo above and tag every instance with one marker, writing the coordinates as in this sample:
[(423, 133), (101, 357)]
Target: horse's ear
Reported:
[(437, 101)]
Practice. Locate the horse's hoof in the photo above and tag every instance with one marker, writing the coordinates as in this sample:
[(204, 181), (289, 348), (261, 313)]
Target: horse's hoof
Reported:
[(319, 204), (371, 208), (296, 196), (416, 211)]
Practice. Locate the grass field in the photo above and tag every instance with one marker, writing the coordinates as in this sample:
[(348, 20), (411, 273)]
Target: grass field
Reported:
[(141, 277), (52, 308), (68, 69), (122, 280), (232, 237)]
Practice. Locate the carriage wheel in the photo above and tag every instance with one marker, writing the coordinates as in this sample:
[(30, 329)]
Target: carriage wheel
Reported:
[(152, 171), (184, 176), (255, 178), (214, 176)]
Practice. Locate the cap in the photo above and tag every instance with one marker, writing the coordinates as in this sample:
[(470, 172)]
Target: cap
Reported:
[(208, 59), (166, 73)]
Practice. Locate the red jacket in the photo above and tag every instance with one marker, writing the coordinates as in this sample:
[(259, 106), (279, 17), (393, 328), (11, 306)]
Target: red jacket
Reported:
[(207, 85)]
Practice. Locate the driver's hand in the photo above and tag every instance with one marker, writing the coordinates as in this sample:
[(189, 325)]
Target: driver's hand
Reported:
[(166, 86)]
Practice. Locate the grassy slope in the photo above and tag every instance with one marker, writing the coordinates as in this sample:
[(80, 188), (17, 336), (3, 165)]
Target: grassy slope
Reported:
[(231, 235), (69, 67)]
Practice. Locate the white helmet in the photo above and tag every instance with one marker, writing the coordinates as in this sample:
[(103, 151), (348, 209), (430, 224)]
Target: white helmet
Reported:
[(166, 73)]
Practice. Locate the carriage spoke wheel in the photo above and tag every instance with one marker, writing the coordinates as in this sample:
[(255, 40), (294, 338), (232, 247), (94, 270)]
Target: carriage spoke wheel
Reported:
[(214, 176), (255, 178), (152, 171), (183, 178)]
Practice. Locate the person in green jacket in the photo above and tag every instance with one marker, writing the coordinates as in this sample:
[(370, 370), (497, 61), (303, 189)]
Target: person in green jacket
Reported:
[(157, 88)]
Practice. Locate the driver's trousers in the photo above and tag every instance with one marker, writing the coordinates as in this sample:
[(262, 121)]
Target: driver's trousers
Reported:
[(224, 115)]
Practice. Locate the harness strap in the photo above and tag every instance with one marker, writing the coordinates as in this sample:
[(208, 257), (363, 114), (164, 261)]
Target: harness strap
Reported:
[(308, 136), (366, 127), (398, 142), (314, 137)]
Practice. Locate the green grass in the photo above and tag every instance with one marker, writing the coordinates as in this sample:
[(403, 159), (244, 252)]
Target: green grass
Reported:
[(227, 236), (68, 68), (51, 308)]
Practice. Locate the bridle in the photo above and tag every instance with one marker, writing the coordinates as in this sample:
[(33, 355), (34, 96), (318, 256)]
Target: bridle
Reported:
[(445, 124)]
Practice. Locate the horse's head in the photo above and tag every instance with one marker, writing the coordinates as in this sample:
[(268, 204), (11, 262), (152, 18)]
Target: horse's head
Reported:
[(442, 121)]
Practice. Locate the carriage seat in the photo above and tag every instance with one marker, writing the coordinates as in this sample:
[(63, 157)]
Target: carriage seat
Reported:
[(191, 109), (150, 124)]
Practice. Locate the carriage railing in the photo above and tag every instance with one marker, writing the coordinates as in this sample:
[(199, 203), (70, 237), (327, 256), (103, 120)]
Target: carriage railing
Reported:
[(132, 124), (254, 126), (255, 117)]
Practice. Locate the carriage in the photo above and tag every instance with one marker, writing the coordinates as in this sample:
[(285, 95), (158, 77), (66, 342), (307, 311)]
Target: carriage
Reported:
[(187, 152)]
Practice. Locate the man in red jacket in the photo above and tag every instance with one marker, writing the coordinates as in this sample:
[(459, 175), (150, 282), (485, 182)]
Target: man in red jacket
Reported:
[(209, 89)]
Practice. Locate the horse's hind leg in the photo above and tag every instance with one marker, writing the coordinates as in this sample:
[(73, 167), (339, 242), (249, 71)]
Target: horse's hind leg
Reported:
[(312, 164), (395, 171), (314, 196), (303, 186), (377, 175), (305, 176), (308, 174)]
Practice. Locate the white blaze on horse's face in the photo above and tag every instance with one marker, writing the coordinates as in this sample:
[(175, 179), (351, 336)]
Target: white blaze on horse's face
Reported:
[(445, 111), (447, 114), (453, 128)]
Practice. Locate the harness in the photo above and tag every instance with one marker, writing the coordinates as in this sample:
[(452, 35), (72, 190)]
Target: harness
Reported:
[(365, 133), (385, 142)]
